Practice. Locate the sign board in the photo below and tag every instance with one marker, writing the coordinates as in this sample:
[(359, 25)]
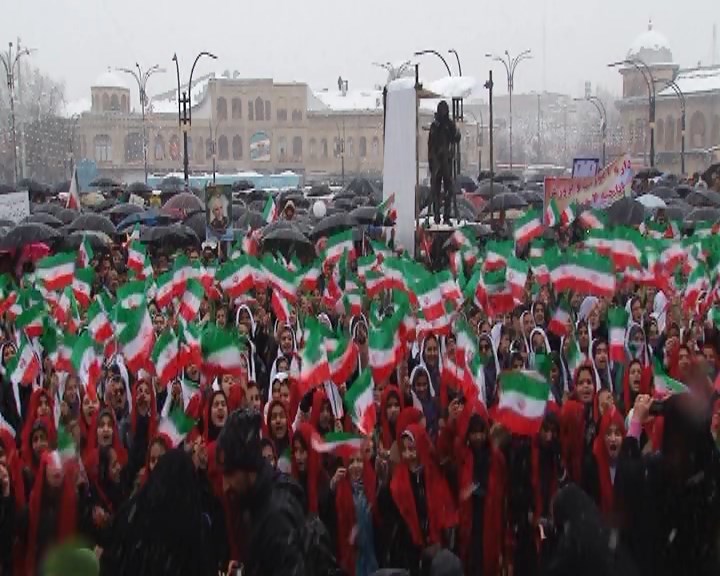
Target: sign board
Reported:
[(585, 167), (14, 206), (218, 213), (608, 186)]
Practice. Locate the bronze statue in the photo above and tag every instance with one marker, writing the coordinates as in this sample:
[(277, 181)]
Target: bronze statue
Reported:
[(441, 151)]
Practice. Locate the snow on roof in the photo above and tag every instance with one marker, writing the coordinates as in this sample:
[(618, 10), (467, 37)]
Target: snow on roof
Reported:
[(75, 108), (452, 86), (167, 102), (109, 79), (651, 46), (695, 81), (351, 101)]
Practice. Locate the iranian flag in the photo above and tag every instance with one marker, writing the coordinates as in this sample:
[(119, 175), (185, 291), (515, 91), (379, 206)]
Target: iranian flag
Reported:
[(497, 254), (383, 345), (430, 298), (314, 365), (663, 384), (131, 295), (280, 278), (310, 276), (82, 285), (465, 237), (336, 246), (176, 427), (498, 294), (165, 289), (528, 227), (365, 264), (73, 199), (66, 449), (5, 427), (86, 361), (280, 307), (342, 360), (85, 253), (24, 367), (166, 357), (352, 304), (552, 214), (617, 318), (698, 282), (63, 355), (387, 207), (269, 212), (568, 215), (221, 352), (191, 299), (375, 283), (136, 340), (136, 257), (190, 351), (62, 310), (522, 399), (592, 220), (585, 273), (516, 275), (627, 248), (250, 244), (99, 325), (559, 323), (340, 444), (236, 277), (31, 321), (56, 272)]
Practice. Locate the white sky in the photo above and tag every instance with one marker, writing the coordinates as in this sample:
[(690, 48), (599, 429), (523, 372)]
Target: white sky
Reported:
[(317, 40)]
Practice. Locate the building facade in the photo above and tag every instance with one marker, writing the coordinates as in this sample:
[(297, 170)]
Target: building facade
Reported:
[(240, 125), (700, 87)]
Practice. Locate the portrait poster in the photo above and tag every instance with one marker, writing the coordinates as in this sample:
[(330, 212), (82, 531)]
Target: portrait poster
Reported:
[(218, 213)]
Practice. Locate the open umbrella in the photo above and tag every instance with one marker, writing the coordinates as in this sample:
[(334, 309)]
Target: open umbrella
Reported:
[(5, 223), (171, 234), (104, 182), (44, 218), (367, 215), (319, 190), (148, 218), (47, 208), (683, 190), (251, 219), (703, 215), (105, 205), (651, 202), (506, 176), (61, 187), (66, 215), (664, 192), (139, 188), (626, 212), (29, 233), (344, 204), (673, 212), (533, 198), (99, 241), (505, 201), (92, 199), (241, 185), (465, 183), (708, 175), (648, 173), (703, 198), (184, 202), (286, 235), (332, 224), (197, 223), (124, 210), (93, 222), (487, 189), (33, 186)]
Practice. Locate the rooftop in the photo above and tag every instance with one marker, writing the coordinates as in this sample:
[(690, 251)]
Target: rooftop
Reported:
[(167, 102), (652, 47), (696, 81), (109, 79)]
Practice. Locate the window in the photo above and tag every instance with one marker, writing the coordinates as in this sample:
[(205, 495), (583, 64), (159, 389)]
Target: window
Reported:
[(312, 145), (123, 103), (697, 130), (350, 147), (221, 108), (103, 148), (174, 148), (133, 147), (296, 116), (106, 102), (282, 148), (337, 147), (94, 102), (297, 148), (324, 147), (259, 109), (200, 150), (362, 147), (236, 108), (114, 103), (268, 115), (223, 148), (237, 150), (251, 110), (282, 115), (375, 147), (159, 148)]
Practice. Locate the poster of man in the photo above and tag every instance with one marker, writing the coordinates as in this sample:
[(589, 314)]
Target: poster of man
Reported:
[(218, 222)]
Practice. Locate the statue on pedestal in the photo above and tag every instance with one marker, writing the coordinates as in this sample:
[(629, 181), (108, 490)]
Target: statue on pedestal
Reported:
[(441, 151)]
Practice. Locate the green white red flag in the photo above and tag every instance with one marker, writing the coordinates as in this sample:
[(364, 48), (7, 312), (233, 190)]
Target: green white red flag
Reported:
[(131, 295), (189, 336), (99, 325), (340, 444), (663, 384), (582, 272), (136, 340), (280, 307), (24, 367), (176, 426), (522, 400), (191, 299), (30, 321), (528, 227), (222, 352), (342, 360), (82, 286), (136, 257), (166, 357), (86, 361), (270, 210), (236, 277), (383, 346), (314, 365), (618, 319), (387, 207), (552, 214), (568, 215), (56, 271), (429, 297), (560, 321), (280, 278), (335, 247), (85, 253)]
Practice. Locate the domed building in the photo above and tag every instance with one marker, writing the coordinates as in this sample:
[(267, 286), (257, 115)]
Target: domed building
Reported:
[(110, 94), (697, 90)]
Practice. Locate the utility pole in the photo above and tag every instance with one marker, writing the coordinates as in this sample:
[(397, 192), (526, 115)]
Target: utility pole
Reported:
[(539, 154), (10, 61), (489, 86)]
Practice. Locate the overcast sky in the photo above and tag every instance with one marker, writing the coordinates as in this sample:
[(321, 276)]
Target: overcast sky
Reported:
[(316, 40)]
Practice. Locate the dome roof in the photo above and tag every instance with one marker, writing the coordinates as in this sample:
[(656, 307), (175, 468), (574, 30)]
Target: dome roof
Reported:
[(651, 47), (109, 79)]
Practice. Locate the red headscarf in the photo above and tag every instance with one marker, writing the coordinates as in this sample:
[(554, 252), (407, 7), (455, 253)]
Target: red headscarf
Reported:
[(494, 498), (90, 456), (537, 472), (313, 468), (572, 429), (152, 414), (407, 416), (319, 398), (441, 507), (66, 513), (386, 436), (345, 508), (646, 378), (27, 451), (612, 417), (30, 419), (267, 431)]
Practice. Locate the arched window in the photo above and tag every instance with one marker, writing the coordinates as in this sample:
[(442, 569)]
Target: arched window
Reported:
[(312, 145), (282, 115), (114, 103), (106, 102), (223, 148), (190, 147), (221, 107), (697, 130), (268, 111), (282, 148), (133, 147), (236, 108), (200, 149), (237, 150), (259, 109), (669, 134), (123, 103), (251, 110), (296, 116), (375, 146), (350, 147), (297, 148), (324, 148), (362, 147), (103, 148), (159, 147), (715, 133), (175, 148), (660, 132)]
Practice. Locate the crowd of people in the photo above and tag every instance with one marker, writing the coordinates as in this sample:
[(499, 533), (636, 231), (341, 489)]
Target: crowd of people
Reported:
[(227, 434)]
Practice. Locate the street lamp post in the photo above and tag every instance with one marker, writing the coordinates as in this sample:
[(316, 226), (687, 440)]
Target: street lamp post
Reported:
[(510, 66), (185, 110), (10, 61), (489, 86), (681, 96), (457, 57), (142, 78), (436, 53), (600, 107), (478, 136), (646, 73)]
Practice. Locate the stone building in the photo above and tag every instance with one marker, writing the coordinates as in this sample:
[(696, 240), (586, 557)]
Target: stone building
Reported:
[(701, 89)]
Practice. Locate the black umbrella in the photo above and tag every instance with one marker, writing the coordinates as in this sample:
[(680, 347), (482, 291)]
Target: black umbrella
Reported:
[(61, 187), (33, 186), (647, 173), (172, 234), (505, 201), (124, 210), (105, 205), (362, 187), (147, 218), (48, 208), (104, 182), (297, 199), (257, 194), (5, 223), (197, 223), (44, 218), (506, 176), (465, 183), (24, 234), (703, 198), (703, 215), (319, 190), (466, 209), (93, 222), (66, 216), (344, 204), (664, 193), (184, 202), (288, 235), (626, 212), (533, 198), (99, 241), (710, 173), (250, 219), (241, 185), (368, 215), (139, 188), (673, 212), (683, 190), (332, 224), (487, 189), (7, 189)]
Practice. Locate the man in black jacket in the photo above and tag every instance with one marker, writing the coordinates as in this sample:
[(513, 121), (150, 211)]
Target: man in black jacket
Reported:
[(441, 151), (273, 500)]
